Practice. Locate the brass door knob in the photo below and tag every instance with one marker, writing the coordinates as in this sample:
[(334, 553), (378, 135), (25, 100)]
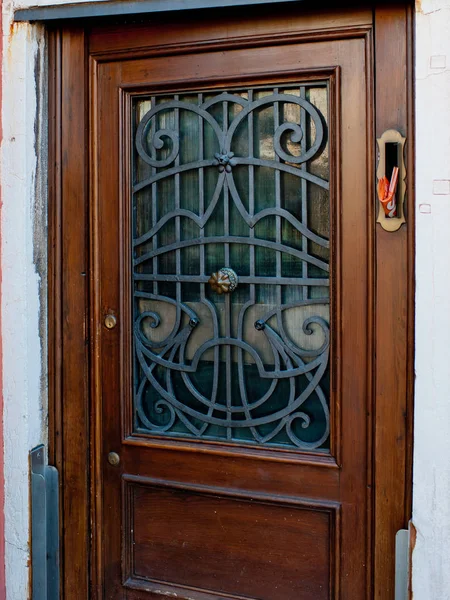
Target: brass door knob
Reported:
[(110, 321), (225, 281), (113, 459)]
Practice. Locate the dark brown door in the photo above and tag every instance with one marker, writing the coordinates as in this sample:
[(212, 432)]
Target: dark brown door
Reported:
[(232, 293)]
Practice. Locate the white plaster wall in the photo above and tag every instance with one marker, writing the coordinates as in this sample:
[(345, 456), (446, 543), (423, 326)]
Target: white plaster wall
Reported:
[(431, 490), (22, 358)]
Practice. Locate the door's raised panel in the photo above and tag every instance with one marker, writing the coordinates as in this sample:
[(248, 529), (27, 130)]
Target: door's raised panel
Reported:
[(248, 27), (238, 547), (299, 476)]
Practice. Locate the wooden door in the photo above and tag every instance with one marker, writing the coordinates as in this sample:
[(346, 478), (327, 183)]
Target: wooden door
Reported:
[(232, 308), (239, 417)]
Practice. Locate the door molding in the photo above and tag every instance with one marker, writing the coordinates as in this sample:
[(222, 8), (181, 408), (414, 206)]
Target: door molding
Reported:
[(72, 327)]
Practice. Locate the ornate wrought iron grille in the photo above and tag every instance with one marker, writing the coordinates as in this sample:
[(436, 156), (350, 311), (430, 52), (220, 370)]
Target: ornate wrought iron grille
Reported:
[(232, 180)]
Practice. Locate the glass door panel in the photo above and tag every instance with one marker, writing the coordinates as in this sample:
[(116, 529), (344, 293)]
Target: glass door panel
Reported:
[(231, 266)]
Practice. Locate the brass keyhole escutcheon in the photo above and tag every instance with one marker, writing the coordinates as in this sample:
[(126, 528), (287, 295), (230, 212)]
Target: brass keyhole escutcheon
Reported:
[(225, 281), (110, 321), (113, 459)]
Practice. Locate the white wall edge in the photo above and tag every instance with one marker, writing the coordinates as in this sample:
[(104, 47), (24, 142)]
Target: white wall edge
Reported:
[(431, 482), (21, 285)]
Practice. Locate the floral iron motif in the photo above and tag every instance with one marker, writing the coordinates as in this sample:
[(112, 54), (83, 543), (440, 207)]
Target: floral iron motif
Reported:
[(225, 281), (224, 161)]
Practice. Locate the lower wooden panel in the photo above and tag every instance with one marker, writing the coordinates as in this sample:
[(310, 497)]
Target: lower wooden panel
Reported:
[(236, 547)]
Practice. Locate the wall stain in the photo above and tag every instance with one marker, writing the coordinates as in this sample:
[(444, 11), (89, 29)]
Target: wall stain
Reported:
[(40, 209)]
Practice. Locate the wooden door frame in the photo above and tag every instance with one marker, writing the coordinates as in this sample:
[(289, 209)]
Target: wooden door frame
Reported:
[(71, 324)]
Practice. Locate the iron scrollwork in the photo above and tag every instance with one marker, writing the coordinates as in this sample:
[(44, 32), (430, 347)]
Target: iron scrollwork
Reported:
[(171, 398)]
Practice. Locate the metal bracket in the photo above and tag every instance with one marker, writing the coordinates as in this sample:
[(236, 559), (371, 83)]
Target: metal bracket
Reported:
[(44, 527), (402, 555)]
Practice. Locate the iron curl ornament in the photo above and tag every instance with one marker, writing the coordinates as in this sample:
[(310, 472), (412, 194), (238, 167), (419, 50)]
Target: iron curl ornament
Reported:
[(200, 370)]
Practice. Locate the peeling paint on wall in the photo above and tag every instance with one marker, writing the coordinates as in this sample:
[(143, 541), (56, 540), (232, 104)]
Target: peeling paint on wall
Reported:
[(40, 219)]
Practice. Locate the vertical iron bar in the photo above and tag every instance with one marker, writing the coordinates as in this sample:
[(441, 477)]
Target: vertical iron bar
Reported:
[(226, 231), (201, 212), (304, 191), (201, 195), (251, 192), (154, 198), (276, 116), (226, 205), (177, 204)]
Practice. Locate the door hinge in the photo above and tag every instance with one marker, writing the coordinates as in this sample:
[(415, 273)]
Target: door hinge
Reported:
[(402, 562), (44, 527)]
